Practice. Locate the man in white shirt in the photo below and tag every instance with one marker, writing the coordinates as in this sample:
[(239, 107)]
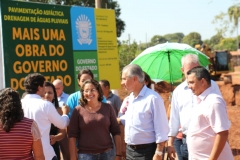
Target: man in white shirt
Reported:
[(208, 129), (43, 112), (182, 104), (146, 125)]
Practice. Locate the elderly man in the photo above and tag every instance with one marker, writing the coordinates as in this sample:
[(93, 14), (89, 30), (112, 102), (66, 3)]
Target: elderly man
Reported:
[(209, 125), (146, 125), (62, 97), (62, 100), (181, 106)]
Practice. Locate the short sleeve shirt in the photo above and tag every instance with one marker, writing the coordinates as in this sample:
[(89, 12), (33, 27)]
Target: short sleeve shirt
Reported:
[(208, 118)]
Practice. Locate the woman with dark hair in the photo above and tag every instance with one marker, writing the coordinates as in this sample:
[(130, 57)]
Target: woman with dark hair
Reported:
[(55, 133), (20, 133), (91, 123), (147, 80), (73, 99)]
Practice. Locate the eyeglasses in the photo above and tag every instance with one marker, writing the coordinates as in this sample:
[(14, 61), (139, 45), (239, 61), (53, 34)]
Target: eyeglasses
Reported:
[(91, 90)]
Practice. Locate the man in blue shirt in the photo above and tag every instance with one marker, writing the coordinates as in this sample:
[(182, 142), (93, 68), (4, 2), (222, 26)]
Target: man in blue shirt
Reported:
[(62, 96), (112, 99), (146, 124), (62, 99)]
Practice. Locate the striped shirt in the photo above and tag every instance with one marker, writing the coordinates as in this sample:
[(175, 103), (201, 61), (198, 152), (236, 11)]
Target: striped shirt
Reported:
[(17, 144)]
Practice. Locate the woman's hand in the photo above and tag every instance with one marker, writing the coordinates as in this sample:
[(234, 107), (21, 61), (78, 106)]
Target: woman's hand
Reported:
[(53, 139)]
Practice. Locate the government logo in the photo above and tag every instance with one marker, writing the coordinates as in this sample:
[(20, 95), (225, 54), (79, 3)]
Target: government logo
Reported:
[(84, 30)]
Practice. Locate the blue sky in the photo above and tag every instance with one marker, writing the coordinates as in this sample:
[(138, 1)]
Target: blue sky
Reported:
[(146, 18)]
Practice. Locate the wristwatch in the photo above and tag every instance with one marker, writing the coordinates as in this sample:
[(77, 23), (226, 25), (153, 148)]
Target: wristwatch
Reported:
[(159, 153)]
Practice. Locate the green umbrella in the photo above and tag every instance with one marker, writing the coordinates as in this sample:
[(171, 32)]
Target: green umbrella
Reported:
[(163, 61)]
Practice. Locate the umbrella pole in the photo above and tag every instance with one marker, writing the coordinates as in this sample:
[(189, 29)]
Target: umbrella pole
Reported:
[(170, 70)]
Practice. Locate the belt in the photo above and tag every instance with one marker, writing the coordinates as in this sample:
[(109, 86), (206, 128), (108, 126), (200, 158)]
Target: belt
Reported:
[(100, 153), (140, 146), (184, 136)]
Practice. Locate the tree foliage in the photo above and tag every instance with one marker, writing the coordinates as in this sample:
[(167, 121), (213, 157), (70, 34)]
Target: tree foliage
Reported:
[(214, 40), (228, 22), (174, 37), (226, 44), (127, 52), (234, 14), (223, 24), (120, 24), (192, 39), (157, 39)]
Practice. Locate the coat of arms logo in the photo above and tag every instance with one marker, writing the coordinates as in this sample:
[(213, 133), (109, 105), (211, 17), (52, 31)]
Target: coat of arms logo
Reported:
[(84, 29)]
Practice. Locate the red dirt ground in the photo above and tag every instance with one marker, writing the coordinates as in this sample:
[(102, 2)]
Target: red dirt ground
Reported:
[(231, 94)]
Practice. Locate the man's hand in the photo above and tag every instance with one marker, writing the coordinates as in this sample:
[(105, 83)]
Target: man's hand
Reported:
[(219, 143), (157, 157), (119, 121), (171, 152)]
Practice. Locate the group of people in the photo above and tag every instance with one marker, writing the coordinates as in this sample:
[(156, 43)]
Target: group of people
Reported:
[(198, 121), (85, 125)]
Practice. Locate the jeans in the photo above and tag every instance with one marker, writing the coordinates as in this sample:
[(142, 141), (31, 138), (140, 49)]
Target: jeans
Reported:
[(177, 144), (141, 153), (108, 155), (184, 149)]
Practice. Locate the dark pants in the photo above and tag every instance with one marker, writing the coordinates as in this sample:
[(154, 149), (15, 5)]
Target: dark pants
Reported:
[(56, 150), (184, 149), (54, 158), (177, 145), (141, 153), (64, 148)]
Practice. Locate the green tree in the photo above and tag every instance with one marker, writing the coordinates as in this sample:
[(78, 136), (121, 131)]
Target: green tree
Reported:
[(109, 4), (127, 52), (214, 40), (157, 39), (234, 14), (192, 39), (226, 44), (223, 23), (174, 37), (206, 41)]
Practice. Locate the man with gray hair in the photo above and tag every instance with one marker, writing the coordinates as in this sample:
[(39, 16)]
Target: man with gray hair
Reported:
[(182, 104), (62, 96), (62, 100), (146, 125)]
